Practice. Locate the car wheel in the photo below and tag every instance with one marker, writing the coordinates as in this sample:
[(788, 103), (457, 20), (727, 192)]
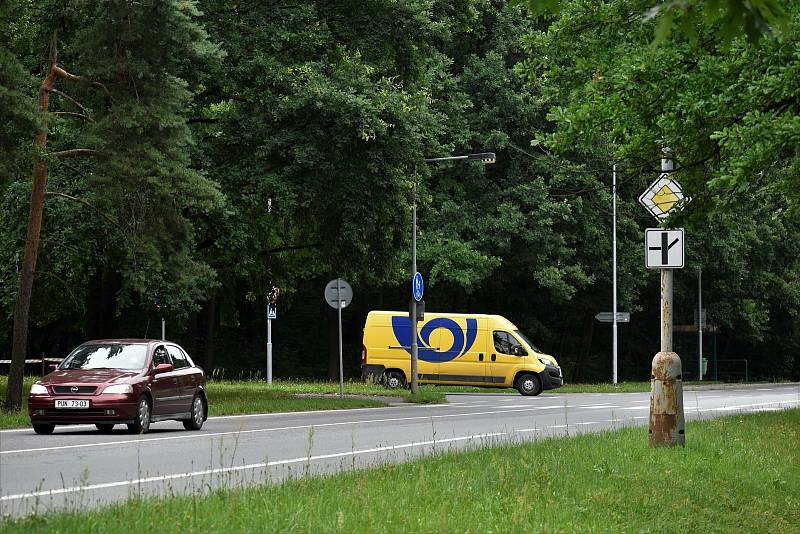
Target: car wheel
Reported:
[(529, 385), (41, 428), (198, 415), (394, 380), (105, 428), (142, 422)]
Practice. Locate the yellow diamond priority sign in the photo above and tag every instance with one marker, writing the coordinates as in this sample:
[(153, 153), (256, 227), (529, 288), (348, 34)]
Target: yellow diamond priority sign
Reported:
[(663, 196)]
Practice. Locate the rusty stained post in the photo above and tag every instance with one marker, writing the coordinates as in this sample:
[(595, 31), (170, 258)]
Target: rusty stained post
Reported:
[(667, 428)]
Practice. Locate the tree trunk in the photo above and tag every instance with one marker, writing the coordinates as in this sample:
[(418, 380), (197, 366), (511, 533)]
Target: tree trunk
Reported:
[(102, 303), (588, 336), (23, 305), (211, 324)]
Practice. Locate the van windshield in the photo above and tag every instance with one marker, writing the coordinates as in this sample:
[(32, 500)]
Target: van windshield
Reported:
[(528, 341)]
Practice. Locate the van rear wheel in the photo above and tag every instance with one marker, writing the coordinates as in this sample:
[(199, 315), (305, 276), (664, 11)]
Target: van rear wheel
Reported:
[(394, 380), (529, 385)]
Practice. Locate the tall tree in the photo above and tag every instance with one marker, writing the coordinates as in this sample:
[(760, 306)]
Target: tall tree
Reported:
[(135, 54)]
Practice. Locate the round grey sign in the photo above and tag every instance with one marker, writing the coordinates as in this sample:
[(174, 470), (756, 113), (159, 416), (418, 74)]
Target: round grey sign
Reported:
[(338, 293)]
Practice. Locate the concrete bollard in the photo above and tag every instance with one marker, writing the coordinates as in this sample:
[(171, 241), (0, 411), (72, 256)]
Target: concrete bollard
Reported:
[(666, 401)]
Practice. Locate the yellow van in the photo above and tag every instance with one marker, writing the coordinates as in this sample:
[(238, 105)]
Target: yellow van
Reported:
[(453, 348)]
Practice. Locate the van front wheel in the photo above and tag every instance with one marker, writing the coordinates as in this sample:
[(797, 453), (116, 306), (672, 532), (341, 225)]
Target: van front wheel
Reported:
[(529, 385), (394, 380)]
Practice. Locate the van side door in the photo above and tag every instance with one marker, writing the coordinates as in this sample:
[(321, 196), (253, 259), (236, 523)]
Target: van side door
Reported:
[(470, 366)]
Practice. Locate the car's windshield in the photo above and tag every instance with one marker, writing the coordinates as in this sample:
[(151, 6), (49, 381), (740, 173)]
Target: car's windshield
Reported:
[(107, 356), (528, 341)]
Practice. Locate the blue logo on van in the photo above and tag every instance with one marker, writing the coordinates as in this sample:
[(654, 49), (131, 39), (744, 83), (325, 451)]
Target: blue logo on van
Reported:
[(462, 341)]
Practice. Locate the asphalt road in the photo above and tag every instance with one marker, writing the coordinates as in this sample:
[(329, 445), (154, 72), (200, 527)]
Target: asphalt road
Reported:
[(77, 467)]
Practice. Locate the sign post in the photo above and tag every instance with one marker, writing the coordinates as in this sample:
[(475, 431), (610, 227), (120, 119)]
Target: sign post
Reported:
[(664, 250), (339, 294), (272, 314)]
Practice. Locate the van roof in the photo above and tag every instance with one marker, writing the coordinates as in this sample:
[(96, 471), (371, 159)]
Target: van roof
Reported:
[(494, 318)]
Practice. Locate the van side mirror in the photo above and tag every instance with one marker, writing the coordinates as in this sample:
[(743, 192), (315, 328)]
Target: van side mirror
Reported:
[(51, 367), (520, 351)]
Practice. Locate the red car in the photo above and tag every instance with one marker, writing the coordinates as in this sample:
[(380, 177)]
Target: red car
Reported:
[(121, 381)]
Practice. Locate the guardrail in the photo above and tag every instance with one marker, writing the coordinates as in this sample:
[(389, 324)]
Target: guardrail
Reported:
[(43, 360), (734, 373)]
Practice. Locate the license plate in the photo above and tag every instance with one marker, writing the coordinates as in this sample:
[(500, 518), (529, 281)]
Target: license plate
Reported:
[(72, 404)]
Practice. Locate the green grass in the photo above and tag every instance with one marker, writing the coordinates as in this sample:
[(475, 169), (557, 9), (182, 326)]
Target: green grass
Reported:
[(231, 397), (736, 474), (16, 419)]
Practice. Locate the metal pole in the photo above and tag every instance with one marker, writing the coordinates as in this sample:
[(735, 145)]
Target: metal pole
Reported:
[(666, 310), (163, 330), (700, 323), (269, 351), (614, 263), (339, 309), (667, 427), (414, 385)]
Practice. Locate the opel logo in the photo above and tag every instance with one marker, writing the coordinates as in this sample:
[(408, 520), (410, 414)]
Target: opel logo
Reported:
[(74, 389)]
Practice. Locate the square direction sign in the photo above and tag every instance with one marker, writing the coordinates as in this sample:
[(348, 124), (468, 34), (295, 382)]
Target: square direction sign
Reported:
[(663, 249)]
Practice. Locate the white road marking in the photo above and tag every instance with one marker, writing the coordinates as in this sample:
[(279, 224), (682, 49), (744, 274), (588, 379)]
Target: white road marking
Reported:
[(640, 407), (276, 429), (740, 406), (261, 465)]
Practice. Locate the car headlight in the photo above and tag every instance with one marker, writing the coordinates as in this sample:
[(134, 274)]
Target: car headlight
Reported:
[(38, 389), (116, 389), (545, 361)]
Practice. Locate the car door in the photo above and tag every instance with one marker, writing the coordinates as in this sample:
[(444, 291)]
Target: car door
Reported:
[(187, 379), (165, 387)]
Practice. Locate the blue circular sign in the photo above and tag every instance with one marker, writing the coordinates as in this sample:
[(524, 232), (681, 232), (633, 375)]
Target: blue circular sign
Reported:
[(418, 287)]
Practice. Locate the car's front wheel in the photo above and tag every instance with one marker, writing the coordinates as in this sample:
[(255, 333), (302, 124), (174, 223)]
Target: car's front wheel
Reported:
[(141, 424), (529, 385), (41, 428), (198, 415)]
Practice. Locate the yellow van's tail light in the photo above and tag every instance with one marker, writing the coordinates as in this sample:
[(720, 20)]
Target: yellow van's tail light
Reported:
[(363, 354)]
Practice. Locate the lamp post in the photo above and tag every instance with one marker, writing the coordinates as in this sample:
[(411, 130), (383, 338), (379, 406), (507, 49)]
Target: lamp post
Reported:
[(483, 157), (614, 268)]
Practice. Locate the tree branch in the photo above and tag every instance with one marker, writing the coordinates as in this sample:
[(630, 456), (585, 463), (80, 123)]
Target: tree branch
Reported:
[(75, 152), (67, 97), (71, 114), (61, 73), (287, 248), (88, 205)]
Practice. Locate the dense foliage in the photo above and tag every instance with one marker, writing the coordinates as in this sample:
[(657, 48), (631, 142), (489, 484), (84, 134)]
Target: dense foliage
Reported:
[(243, 144)]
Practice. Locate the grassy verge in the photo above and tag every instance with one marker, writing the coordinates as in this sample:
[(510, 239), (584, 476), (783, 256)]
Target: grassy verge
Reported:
[(231, 397), (736, 474)]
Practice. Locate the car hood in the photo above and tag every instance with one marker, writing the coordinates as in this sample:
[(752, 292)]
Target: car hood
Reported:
[(87, 376)]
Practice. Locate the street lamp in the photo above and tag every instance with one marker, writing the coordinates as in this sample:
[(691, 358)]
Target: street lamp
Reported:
[(483, 157)]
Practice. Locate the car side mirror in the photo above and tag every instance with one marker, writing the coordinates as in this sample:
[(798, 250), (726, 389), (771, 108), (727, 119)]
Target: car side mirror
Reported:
[(520, 351), (163, 368), (51, 367)]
